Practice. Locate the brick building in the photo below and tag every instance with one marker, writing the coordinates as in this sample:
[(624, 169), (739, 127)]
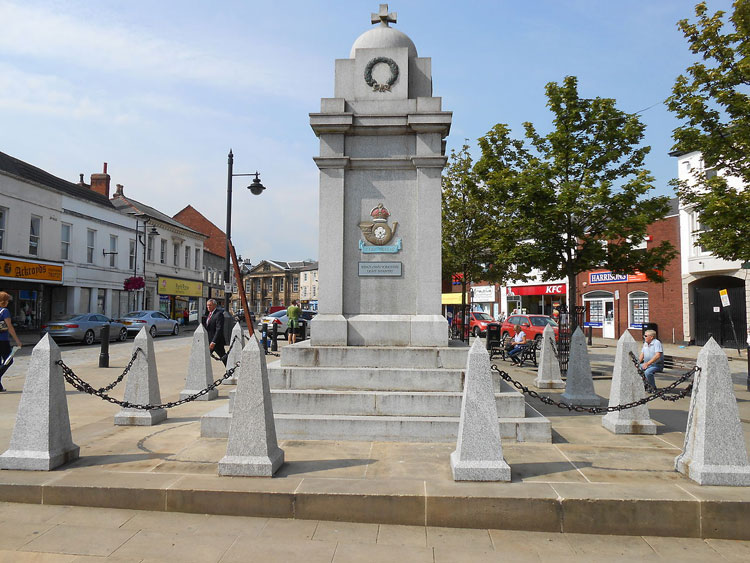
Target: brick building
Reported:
[(275, 283), (615, 303)]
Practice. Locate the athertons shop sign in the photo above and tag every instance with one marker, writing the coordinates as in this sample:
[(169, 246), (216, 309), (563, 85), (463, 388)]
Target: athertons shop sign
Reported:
[(186, 288), (609, 277), (25, 270)]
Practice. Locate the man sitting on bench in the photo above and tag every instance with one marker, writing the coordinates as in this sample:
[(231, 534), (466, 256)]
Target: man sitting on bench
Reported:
[(652, 357), (519, 341)]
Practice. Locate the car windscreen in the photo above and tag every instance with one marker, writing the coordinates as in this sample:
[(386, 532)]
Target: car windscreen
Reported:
[(278, 314), (71, 318), (482, 317), (134, 314), (542, 321)]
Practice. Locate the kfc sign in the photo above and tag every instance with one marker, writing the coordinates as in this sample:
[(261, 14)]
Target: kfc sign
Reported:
[(556, 289)]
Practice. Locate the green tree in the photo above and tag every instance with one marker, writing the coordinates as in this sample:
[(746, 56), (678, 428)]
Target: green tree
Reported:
[(470, 226), (573, 199), (713, 102)]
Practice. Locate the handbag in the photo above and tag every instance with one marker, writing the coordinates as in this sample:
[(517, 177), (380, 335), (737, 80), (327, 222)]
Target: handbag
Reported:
[(3, 324)]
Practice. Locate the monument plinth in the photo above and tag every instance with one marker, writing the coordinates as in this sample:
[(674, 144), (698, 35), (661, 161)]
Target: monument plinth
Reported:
[(381, 158)]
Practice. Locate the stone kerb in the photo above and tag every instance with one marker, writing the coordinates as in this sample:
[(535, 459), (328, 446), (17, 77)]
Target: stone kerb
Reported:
[(41, 438), (252, 448), (714, 452), (236, 344), (627, 386), (579, 387), (479, 451), (549, 367), (142, 386), (200, 373)]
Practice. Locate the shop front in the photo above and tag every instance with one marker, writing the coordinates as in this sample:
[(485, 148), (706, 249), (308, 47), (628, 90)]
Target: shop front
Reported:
[(540, 299), (177, 296), (30, 284), (483, 298)]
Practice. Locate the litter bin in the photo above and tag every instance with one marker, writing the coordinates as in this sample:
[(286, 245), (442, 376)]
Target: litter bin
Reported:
[(301, 330), (650, 326), (493, 335)]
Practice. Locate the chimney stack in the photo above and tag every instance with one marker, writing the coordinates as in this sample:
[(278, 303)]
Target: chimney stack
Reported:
[(118, 190), (100, 182)]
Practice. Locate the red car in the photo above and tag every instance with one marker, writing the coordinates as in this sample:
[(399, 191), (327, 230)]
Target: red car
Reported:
[(532, 325), (478, 321)]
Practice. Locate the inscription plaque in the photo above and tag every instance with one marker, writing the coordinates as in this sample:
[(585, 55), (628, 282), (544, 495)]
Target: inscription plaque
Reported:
[(380, 269)]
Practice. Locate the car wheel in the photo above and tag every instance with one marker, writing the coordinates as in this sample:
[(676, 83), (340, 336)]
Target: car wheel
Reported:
[(176, 330), (123, 334), (152, 331), (477, 332), (88, 338)]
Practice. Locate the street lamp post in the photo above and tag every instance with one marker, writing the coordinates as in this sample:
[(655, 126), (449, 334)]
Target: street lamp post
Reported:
[(256, 188), (141, 238)]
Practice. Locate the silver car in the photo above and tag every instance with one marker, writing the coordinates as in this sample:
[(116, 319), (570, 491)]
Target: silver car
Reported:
[(83, 327), (155, 322), (281, 320)]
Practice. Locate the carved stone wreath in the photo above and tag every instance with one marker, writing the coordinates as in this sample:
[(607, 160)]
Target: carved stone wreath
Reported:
[(376, 86)]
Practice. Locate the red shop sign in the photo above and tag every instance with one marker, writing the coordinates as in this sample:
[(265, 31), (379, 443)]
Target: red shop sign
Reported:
[(549, 289)]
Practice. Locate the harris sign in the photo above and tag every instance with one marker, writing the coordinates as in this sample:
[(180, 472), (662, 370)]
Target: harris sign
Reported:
[(609, 277)]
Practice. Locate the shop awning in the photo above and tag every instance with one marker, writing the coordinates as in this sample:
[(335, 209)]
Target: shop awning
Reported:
[(453, 298)]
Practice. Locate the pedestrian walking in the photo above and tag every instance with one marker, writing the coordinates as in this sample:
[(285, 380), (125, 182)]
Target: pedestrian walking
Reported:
[(6, 331), (293, 312), (215, 330)]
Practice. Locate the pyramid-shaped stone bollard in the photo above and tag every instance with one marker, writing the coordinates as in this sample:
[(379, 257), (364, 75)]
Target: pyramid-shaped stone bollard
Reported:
[(252, 449), (41, 438), (142, 386), (548, 376), (627, 386), (236, 345), (714, 452), (579, 387), (200, 373), (479, 451)]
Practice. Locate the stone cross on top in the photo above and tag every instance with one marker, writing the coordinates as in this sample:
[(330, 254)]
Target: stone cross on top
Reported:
[(383, 16)]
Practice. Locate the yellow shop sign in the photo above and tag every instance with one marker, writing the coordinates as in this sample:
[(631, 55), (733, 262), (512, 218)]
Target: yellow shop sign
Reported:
[(173, 286), (23, 270)]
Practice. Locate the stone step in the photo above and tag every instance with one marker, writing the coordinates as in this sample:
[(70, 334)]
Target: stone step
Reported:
[(510, 404), (532, 428), (365, 378), (304, 355)]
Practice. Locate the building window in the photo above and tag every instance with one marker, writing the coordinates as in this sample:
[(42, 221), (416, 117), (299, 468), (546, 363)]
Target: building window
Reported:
[(697, 228), (163, 252), (187, 256), (281, 285), (637, 309), (3, 219), (313, 291), (65, 241), (131, 255), (197, 258), (34, 233), (112, 251), (247, 286), (597, 302), (305, 278), (90, 241), (176, 254), (150, 248), (295, 284)]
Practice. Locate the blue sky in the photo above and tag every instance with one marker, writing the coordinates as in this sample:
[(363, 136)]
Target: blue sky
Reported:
[(162, 90)]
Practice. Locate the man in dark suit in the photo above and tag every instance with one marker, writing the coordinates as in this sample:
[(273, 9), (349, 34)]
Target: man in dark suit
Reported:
[(215, 329)]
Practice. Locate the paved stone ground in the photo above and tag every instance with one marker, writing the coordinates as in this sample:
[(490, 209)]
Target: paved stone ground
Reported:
[(57, 534), (585, 464)]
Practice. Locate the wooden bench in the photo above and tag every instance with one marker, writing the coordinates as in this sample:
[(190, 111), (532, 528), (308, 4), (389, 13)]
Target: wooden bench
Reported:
[(678, 363), (528, 352)]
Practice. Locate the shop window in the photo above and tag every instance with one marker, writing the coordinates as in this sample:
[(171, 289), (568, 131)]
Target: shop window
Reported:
[(637, 309), (34, 234), (3, 219), (90, 241), (594, 300), (65, 241)]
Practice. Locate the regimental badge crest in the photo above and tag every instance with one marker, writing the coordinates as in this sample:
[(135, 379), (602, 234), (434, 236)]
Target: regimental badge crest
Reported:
[(379, 233)]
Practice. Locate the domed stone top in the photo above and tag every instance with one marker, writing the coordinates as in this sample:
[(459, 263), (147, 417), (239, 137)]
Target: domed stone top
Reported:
[(383, 36)]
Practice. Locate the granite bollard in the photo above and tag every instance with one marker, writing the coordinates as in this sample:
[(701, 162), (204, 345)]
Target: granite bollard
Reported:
[(252, 449), (479, 451), (548, 376), (714, 452), (236, 344), (200, 373), (579, 387), (142, 386), (627, 387), (41, 438)]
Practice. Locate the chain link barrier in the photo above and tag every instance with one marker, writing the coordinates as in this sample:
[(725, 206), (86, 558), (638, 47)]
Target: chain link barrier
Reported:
[(665, 394), (216, 357), (85, 387), (124, 372), (554, 348)]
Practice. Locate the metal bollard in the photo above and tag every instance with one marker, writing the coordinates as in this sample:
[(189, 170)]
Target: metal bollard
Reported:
[(264, 336), (104, 353), (274, 338), (591, 334)]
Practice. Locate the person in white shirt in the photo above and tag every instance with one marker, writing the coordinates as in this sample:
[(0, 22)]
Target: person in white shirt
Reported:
[(652, 356), (519, 340)]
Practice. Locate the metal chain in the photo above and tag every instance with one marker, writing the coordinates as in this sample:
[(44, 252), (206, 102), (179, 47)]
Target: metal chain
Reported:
[(598, 410), (650, 388), (554, 349), (84, 387), (214, 356), (123, 374)]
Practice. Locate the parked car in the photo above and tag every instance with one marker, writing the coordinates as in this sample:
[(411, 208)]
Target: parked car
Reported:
[(83, 327), (155, 322), (280, 319), (478, 321), (532, 325)]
